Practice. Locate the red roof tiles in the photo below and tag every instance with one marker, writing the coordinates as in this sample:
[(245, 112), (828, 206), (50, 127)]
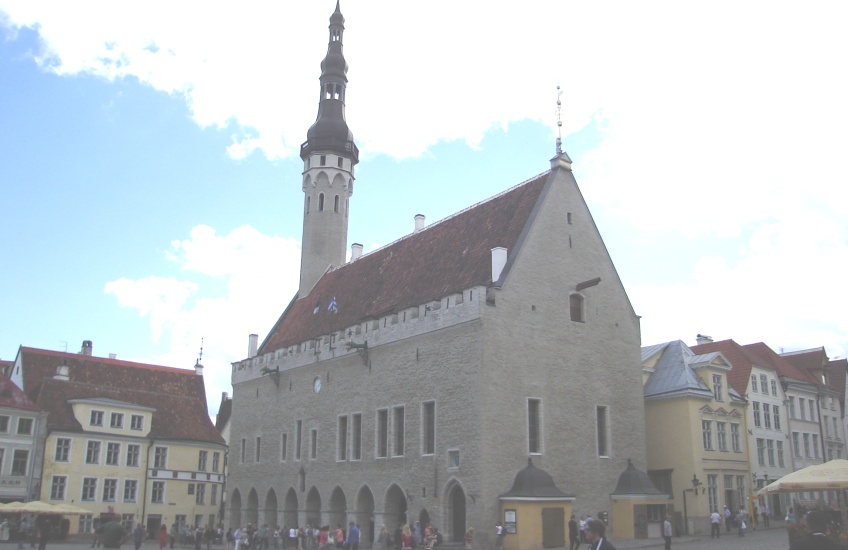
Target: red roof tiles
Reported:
[(12, 397), (178, 395), (444, 258)]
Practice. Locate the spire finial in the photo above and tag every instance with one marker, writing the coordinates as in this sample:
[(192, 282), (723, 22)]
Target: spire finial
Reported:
[(200, 355), (559, 121)]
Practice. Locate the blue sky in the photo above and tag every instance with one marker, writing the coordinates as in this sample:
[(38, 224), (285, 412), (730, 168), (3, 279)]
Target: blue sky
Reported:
[(151, 189)]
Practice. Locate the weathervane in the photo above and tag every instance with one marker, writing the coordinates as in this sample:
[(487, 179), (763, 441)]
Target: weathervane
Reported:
[(559, 121), (200, 356)]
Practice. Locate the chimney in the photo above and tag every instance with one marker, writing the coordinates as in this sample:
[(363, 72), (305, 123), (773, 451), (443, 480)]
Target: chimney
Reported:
[(703, 339), (113, 356), (86, 347), (62, 372), (498, 262), (355, 251), (198, 368), (252, 345), (224, 396), (419, 222)]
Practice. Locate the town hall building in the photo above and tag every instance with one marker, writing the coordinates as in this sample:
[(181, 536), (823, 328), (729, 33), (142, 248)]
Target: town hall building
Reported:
[(413, 383)]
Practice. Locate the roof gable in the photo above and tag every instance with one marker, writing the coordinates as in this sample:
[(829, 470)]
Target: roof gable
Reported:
[(741, 362), (12, 397), (780, 364), (444, 258)]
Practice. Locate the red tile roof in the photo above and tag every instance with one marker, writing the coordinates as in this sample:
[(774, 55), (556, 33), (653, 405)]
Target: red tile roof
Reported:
[(780, 364), (810, 360), (12, 397), (444, 258), (837, 370), (178, 395), (741, 361)]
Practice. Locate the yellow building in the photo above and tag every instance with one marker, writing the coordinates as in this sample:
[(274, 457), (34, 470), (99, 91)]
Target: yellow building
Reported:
[(696, 433), (127, 438)]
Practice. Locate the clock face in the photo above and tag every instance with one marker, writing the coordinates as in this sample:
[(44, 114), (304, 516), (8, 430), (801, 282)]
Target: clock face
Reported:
[(316, 385)]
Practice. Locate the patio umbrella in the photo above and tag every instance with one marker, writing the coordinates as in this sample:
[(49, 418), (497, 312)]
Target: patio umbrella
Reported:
[(831, 475), (70, 510), (32, 507)]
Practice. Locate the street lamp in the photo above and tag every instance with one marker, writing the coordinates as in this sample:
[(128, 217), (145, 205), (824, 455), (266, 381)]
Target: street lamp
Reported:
[(695, 484)]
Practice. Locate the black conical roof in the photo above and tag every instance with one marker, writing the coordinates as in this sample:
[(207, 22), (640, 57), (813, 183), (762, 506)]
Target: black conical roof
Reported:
[(533, 482), (635, 482)]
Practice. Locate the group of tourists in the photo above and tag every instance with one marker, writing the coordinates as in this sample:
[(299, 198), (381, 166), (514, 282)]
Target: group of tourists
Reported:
[(294, 538)]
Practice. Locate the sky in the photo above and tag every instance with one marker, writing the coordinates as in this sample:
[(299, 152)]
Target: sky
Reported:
[(150, 193)]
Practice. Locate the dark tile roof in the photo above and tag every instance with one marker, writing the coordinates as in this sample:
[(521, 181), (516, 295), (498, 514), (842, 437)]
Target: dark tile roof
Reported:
[(225, 410), (533, 482), (444, 258), (808, 359), (780, 364), (6, 367), (837, 370), (12, 397), (635, 482), (178, 395)]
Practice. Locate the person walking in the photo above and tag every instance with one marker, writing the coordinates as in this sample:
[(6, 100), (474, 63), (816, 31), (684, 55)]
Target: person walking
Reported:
[(667, 532), (43, 533), (469, 538), (499, 535), (573, 534), (727, 517), (595, 536), (740, 520), (163, 537), (715, 525), (138, 536)]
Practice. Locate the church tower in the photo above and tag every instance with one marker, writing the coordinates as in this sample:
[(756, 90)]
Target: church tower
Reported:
[(329, 155)]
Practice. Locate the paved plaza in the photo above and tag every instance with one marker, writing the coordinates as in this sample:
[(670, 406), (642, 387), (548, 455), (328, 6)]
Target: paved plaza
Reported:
[(769, 539)]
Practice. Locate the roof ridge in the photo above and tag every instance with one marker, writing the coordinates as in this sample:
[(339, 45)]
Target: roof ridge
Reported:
[(800, 351), (445, 219), (109, 360)]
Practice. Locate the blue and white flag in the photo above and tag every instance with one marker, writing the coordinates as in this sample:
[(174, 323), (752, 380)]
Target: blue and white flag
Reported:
[(317, 306), (332, 305)]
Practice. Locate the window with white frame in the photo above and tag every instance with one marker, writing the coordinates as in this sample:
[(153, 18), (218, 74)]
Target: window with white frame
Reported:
[(4, 423), (812, 405), (764, 384), (160, 458), (770, 451), (735, 438), (792, 407), (775, 410), (24, 426), (86, 524), (802, 407), (116, 420), (157, 492), (807, 451), (761, 451), (216, 459), (757, 420), (712, 490), (96, 418), (137, 422), (816, 447), (200, 494), (718, 388), (754, 383), (63, 450), (110, 490), (774, 387), (707, 434), (130, 490), (780, 461), (89, 488), (721, 434), (766, 415), (57, 487), (113, 453), (133, 452), (92, 453), (796, 444), (201, 460)]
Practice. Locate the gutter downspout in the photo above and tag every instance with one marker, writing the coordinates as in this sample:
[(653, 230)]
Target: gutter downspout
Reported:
[(143, 519), (36, 446)]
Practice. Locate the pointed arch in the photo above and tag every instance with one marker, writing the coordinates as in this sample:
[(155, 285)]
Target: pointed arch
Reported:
[(322, 180), (313, 507), (339, 180), (235, 509), (455, 508), (270, 512), (394, 506), (365, 516), (251, 512), (290, 508), (338, 508)]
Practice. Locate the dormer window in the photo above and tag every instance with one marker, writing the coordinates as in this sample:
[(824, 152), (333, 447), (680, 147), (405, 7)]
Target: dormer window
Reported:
[(718, 388)]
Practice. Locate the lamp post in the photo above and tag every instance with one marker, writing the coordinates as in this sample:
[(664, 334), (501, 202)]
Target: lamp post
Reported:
[(695, 484)]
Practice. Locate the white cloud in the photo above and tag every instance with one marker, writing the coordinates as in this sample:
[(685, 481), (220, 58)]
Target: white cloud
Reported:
[(260, 274)]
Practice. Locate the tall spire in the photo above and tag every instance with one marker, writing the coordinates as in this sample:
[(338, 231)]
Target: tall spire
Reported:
[(329, 156), (330, 130)]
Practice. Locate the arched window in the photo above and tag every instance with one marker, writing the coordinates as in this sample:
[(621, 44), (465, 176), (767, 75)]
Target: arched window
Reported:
[(576, 304), (308, 200), (320, 202), (336, 205)]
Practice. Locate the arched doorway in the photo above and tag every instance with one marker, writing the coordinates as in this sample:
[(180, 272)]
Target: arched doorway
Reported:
[(313, 507), (455, 517), (235, 509), (394, 507), (251, 514), (270, 515), (365, 516), (338, 509), (290, 510)]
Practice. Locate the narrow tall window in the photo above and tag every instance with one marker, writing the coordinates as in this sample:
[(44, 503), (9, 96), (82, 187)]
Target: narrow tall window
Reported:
[(341, 438), (780, 461), (761, 451), (57, 488), (575, 302), (130, 490), (160, 457), (602, 419), (356, 438), (336, 204), (157, 492), (774, 387), (776, 413), (258, 449), (766, 415), (216, 461), (792, 407), (712, 491), (734, 438), (313, 444), (113, 453), (201, 460), (428, 428), (382, 433), (398, 428), (721, 432), (764, 384), (89, 488), (534, 445), (770, 450), (718, 388), (92, 453), (200, 494), (298, 433), (757, 421), (63, 450), (133, 452), (707, 434), (19, 462), (754, 383), (320, 202), (284, 443)]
